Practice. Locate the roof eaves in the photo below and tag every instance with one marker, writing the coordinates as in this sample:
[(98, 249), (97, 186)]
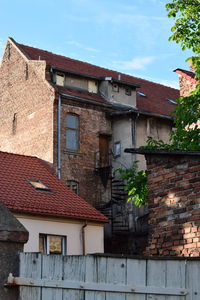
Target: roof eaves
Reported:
[(85, 100)]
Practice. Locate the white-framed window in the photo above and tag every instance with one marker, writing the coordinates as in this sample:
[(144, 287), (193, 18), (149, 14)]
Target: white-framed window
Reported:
[(117, 149), (72, 132), (52, 244), (73, 185)]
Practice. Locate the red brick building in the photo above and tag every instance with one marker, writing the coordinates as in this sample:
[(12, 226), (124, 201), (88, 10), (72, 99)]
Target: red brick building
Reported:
[(79, 118)]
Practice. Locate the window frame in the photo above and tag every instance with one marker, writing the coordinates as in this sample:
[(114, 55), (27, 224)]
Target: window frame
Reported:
[(114, 149), (46, 243), (70, 183), (128, 91), (115, 87), (77, 130)]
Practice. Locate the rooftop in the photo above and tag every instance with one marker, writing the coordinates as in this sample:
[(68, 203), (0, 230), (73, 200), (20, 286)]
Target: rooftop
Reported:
[(19, 194), (155, 94)]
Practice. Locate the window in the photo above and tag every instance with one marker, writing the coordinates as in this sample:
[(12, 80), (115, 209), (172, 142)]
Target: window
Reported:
[(59, 79), (128, 91), (72, 132), (92, 86), (115, 87), (52, 244), (117, 149), (39, 186), (73, 185)]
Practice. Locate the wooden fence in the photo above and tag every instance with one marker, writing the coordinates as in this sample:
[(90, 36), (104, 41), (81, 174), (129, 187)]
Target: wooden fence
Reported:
[(49, 277)]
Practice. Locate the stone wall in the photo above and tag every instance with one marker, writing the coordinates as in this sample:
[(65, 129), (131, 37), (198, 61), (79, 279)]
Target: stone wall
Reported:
[(26, 106), (174, 204)]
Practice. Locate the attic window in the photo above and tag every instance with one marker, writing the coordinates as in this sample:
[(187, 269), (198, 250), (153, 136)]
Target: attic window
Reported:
[(141, 94), (39, 186), (128, 91), (60, 79), (115, 87), (171, 101)]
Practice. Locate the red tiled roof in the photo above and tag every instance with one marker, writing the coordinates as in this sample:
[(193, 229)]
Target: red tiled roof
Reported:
[(20, 196), (82, 94), (156, 93)]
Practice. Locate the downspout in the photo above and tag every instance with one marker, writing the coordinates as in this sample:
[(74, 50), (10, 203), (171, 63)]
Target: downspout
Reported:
[(83, 237), (59, 128)]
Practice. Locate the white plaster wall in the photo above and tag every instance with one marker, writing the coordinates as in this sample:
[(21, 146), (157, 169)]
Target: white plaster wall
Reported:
[(94, 235), (122, 132), (121, 97)]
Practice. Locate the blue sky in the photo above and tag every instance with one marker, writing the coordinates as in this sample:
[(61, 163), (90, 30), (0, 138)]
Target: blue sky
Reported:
[(130, 36)]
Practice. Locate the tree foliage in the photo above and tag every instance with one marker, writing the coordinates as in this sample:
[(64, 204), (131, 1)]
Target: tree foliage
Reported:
[(135, 184)]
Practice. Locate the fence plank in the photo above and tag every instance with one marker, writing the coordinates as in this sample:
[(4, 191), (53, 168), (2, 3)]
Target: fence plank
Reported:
[(52, 267), (74, 270), (116, 273), (30, 266), (136, 276), (175, 277), (192, 279), (156, 276), (95, 272)]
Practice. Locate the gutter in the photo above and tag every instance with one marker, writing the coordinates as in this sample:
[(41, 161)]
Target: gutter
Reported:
[(59, 134), (83, 237)]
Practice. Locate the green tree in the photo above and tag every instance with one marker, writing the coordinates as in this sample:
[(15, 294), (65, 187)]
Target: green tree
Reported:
[(186, 32)]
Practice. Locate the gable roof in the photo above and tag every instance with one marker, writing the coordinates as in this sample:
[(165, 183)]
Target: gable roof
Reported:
[(155, 93), (18, 194)]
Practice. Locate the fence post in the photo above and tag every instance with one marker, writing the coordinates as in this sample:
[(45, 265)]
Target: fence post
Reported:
[(13, 236)]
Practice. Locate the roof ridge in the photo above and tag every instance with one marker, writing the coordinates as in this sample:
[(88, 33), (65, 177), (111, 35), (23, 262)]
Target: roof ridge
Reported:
[(96, 66)]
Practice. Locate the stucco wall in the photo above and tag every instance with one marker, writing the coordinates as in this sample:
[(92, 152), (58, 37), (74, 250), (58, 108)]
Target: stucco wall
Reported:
[(26, 106), (73, 232), (121, 97)]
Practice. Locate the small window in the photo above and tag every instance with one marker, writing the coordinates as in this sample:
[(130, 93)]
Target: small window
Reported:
[(73, 185), (52, 244), (72, 132), (140, 94), (39, 186), (117, 149), (115, 87), (60, 79), (128, 91), (92, 86)]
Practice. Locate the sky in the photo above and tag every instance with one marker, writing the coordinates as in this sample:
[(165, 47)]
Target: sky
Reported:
[(129, 36)]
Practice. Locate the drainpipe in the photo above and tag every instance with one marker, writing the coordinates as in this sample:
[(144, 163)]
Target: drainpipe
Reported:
[(59, 127), (83, 237)]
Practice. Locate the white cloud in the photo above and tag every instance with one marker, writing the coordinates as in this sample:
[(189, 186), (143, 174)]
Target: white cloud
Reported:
[(79, 45), (137, 63)]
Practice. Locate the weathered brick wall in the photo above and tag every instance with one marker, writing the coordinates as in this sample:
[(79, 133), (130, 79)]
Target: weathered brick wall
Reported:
[(80, 166), (174, 205), (186, 86), (26, 106)]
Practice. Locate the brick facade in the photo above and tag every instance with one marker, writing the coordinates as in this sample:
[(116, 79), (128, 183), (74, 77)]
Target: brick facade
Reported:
[(80, 166), (186, 86), (174, 205), (28, 120), (26, 106)]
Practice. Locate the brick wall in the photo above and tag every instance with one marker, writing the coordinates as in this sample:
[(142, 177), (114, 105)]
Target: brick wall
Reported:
[(186, 86), (26, 106), (80, 166), (174, 205)]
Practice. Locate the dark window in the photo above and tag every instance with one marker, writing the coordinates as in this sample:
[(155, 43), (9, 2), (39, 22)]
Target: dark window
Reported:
[(52, 244), (73, 185), (128, 91), (72, 132), (115, 87)]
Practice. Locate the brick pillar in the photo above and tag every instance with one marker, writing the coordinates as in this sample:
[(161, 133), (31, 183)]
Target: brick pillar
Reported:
[(13, 236), (174, 203)]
